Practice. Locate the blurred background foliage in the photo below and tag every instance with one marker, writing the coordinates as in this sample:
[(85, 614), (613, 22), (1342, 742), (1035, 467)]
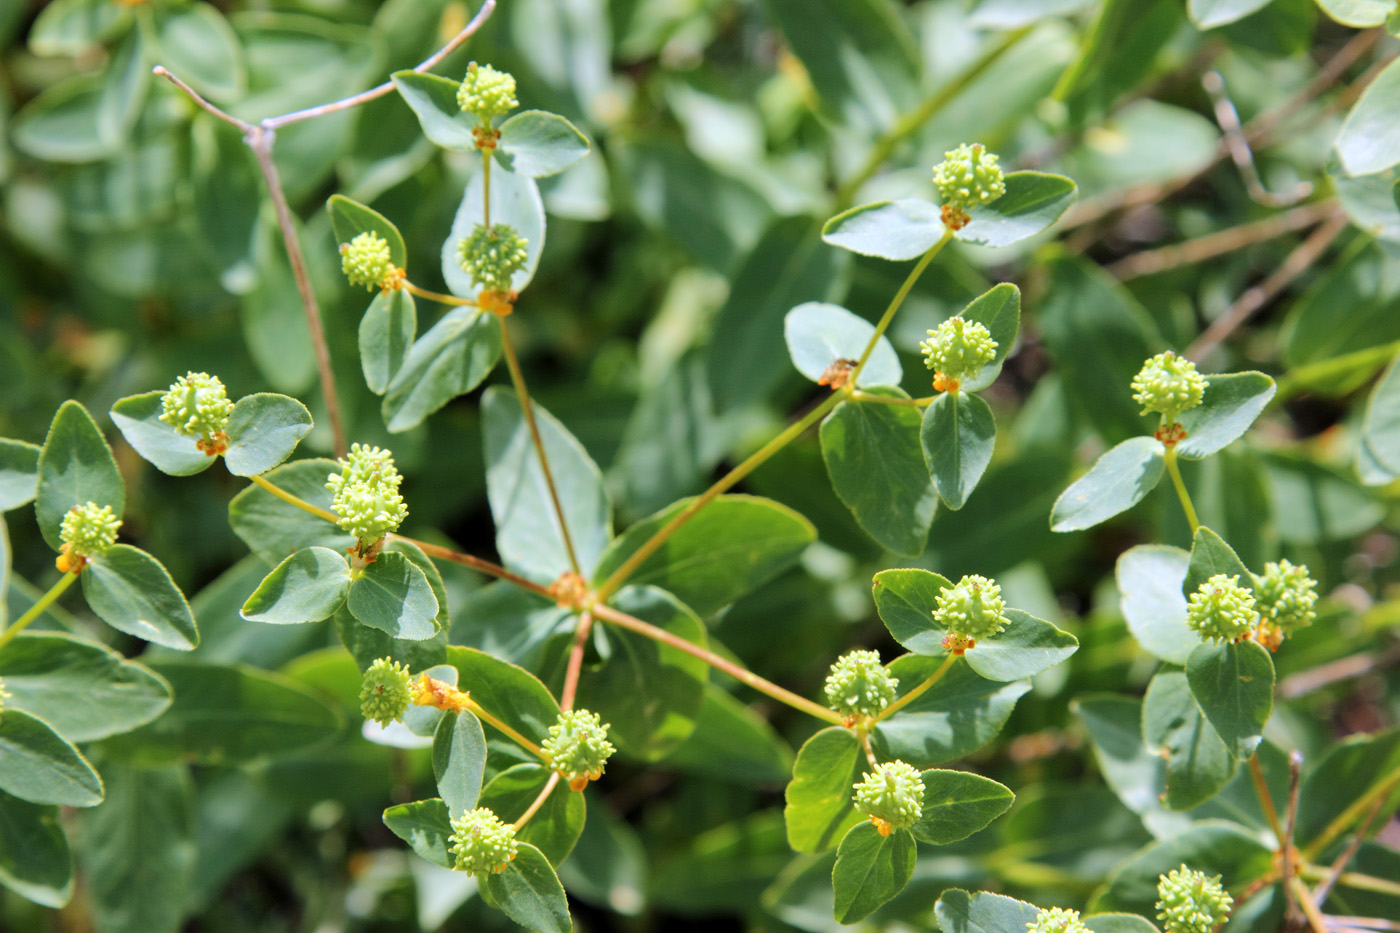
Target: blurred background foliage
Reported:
[(138, 243)]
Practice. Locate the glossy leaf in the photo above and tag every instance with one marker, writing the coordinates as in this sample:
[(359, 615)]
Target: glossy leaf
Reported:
[(451, 359), (425, 826), (982, 912), (197, 43), (1370, 138), (434, 101), (1151, 579), (38, 765), (273, 528), (957, 804), (733, 743), (957, 435), (555, 827), (999, 310), (1231, 403), (138, 418), (1209, 14), (19, 473), (1198, 762), (515, 200), (1025, 648), (1032, 202), (1358, 13), (537, 144), (263, 430), (1210, 555), (1115, 483), (819, 807), (350, 218), (511, 693), (529, 892), (132, 592), (905, 600), (35, 861), (1234, 686), (459, 760), (870, 869), (307, 587), (957, 715), (820, 334), (75, 467), (1213, 847), (386, 339), (392, 594), (896, 230)]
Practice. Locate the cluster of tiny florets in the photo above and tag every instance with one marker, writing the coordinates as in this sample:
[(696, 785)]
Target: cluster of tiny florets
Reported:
[(1191, 902), (578, 747), (1057, 920), (366, 489), (366, 260), (486, 93), (958, 349), (1168, 385), (491, 255), (1285, 595), (967, 176), (859, 685), (88, 530), (892, 796), (970, 610), (385, 691), (1221, 609), (481, 844), (196, 405)]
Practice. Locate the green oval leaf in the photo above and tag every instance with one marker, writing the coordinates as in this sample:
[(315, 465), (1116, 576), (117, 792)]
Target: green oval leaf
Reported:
[(957, 804), (62, 124), (530, 893), (896, 230), (511, 693), (75, 467), (70, 27), (1151, 579), (1032, 202), (451, 359), (426, 827), (957, 434), (1210, 14), (19, 473), (434, 101), (1231, 403), (1349, 770), (1025, 648), (537, 144), (35, 861), (733, 743), (1115, 483), (905, 600), (999, 310), (200, 46), (351, 218), (515, 200), (1213, 847), (1234, 686), (263, 430), (819, 807), (1381, 428), (459, 761), (1210, 555), (555, 827), (38, 765), (138, 418), (1359, 14), (132, 592), (307, 587), (870, 869), (392, 594), (1370, 138), (1199, 764), (273, 528), (983, 912), (386, 337), (957, 715), (819, 334)]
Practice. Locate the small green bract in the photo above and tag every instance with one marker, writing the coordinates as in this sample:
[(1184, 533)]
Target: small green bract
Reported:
[(892, 794), (859, 685), (958, 349), (1057, 920), (1221, 609), (972, 609), (481, 844), (1285, 595), (88, 530), (968, 176), (491, 255), (196, 405), (1168, 384), (1191, 902), (384, 691), (486, 93), (366, 489), (578, 747), (366, 261)]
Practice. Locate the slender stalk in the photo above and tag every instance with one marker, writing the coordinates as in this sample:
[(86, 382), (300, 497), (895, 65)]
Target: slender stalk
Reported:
[(517, 377), (1301, 378), (1266, 800), (575, 668), (1379, 791), (1300, 890), (38, 608), (504, 729), (863, 733), (859, 396), (1363, 882), (290, 499), (549, 786), (438, 296), (486, 187), (1362, 924), (741, 674), (242, 126), (897, 301), (1324, 887), (1286, 851), (1181, 492), (920, 690)]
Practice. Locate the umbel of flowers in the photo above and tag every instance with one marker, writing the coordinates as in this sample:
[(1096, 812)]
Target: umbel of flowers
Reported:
[(970, 610), (87, 530), (859, 685), (366, 260), (197, 405), (367, 501), (578, 747), (956, 351), (892, 796), (967, 177)]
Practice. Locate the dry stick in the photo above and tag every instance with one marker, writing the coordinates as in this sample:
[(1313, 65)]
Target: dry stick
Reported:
[(575, 668), (1360, 924), (741, 674), (1228, 119), (1295, 771), (1305, 682), (539, 801), (1324, 887), (1298, 262)]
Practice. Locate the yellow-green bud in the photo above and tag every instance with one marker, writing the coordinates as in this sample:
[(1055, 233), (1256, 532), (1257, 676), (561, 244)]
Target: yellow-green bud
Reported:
[(1285, 595), (969, 176), (859, 685), (366, 261), (1221, 609), (384, 691), (367, 499), (491, 255), (1057, 920), (487, 93), (196, 405), (892, 794), (971, 609), (1168, 384), (958, 349), (1191, 902), (481, 844), (578, 747), (88, 530)]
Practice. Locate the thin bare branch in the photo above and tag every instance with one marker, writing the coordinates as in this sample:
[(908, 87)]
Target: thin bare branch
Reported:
[(1286, 851), (161, 71), (1324, 887), (1150, 262)]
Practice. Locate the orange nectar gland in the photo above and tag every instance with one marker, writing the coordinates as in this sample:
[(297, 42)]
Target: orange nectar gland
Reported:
[(69, 563), (837, 374), (959, 644), (214, 445), (570, 591), (435, 693), (942, 383), (1170, 434)]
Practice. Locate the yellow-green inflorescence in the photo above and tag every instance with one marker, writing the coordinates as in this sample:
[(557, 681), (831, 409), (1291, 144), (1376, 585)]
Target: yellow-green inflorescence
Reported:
[(892, 796), (367, 500), (481, 844), (385, 691), (957, 350), (88, 530), (197, 405), (1191, 902), (859, 685), (967, 177), (1168, 385), (366, 260), (1285, 596), (578, 747), (1057, 920), (970, 610), (1221, 609), (491, 255), (486, 93)]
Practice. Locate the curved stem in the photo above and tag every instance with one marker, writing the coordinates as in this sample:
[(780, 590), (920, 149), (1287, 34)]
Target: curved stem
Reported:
[(918, 691), (38, 608), (290, 499), (1181, 492), (575, 668), (437, 296), (549, 786), (504, 729), (898, 300)]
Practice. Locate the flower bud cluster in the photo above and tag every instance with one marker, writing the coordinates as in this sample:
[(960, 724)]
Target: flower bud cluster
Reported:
[(1221, 609), (480, 843), (486, 93), (491, 255), (970, 610), (366, 489), (385, 691), (958, 349), (859, 685), (196, 405), (366, 260), (1057, 920), (967, 177), (1191, 902), (88, 530), (1285, 596), (578, 747), (892, 796), (1168, 385)]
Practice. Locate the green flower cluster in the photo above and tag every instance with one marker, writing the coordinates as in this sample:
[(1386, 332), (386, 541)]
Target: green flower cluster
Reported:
[(491, 255), (578, 747), (969, 176), (958, 349), (486, 93), (971, 609), (1168, 384), (366, 260), (88, 530), (859, 685), (196, 405), (1221, 609), (1057, 920), (1191, 902), (384, 691), (892, 794), (366, 489), (480, 843), (1285, 595)]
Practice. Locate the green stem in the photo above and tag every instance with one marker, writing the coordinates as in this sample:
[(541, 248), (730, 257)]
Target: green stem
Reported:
[(1352, 813), (1181, 492), (300, 503), (539, 801), (920, 690), (486, 187), (859, 396), (437, 296), (897, 301), (38, 608), (1298, 380), (505, 730)]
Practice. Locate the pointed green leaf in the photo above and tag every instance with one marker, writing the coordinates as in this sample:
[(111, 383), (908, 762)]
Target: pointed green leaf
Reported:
[(999, 310), (1355, 767), (392, 594), (307, 587), (1210, 555), (426, 827), (459, 760), (1115, 483), (1151, 579), (138, 418), (451, 359), (537, 144), (1234, 686), (1231, 403), (132, 592), (19, 473), (957, 434), (351, 218), (515, 200), (733, 743), (896, 230), (983, 912), (819, 807), (75, 467), (819, 334), (1198, 762), (960, 713), (1032, 202), (1381, 428), (1370, 138), (1025, 648), (1214, 847), (555, 827), (1358, 14), (529, 892), (62, 123), (511, 693), (37, 765), (263, 430), (199, 45), (273, 528), (905, 600), (434, 101), (386, 338), (957, 804), (35, 861), (870, 869)]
